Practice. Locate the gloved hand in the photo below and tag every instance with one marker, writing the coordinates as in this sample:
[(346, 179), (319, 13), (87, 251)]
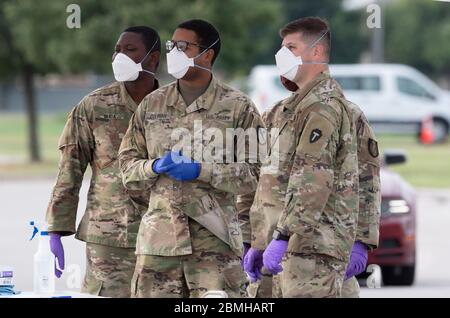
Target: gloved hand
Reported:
[(160, 165), (57, 249), (273, 255), (183, 168), (358, 260), (253, 262), (246, 248)]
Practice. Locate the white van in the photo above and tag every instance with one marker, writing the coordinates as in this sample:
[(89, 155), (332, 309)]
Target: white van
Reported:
[(387, 93)]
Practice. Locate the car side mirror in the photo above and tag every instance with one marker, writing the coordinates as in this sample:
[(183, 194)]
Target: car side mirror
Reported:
[(392, 157)]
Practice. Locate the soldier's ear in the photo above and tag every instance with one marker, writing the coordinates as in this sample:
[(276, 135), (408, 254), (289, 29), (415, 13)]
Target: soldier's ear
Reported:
[(154, 60), (319, 50), (209, 55)]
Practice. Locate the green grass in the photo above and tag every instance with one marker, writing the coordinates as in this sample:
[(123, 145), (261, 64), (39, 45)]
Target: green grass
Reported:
[(14, 146), (427, 166)]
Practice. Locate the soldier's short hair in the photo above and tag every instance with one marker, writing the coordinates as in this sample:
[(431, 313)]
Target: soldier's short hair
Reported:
[(149, 37), (311, 29), (206, 33)]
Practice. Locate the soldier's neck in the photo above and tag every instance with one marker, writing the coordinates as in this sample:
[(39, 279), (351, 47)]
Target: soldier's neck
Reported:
[(195, 83), (193, 89), (140, 88), (315, 71)]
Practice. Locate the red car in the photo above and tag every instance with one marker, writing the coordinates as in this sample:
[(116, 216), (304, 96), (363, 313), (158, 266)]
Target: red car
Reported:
[(396, 254)]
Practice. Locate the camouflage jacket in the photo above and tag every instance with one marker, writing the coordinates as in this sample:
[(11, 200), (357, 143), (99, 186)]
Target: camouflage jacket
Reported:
[(92, 136), (163, 122), (369, 181), (369, 163), (312, 195)]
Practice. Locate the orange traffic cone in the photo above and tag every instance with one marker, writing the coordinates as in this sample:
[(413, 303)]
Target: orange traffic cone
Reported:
[(426, 131)]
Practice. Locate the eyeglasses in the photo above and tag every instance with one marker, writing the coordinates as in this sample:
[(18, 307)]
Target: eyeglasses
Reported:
[(181, 45)]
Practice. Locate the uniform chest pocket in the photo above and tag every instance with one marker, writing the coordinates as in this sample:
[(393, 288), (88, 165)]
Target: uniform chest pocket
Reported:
[(108, 135), (286, 143), (221, 142), (161, 137)]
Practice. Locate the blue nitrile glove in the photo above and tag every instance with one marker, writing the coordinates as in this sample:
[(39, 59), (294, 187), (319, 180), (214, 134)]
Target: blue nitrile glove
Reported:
[(7, 290), (160, 165), (183, 168)]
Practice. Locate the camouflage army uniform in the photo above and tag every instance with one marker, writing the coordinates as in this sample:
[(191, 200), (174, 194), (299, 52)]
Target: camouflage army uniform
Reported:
[(313, 195), (261, 288), (92, 136), (369, 191), (171, 246)]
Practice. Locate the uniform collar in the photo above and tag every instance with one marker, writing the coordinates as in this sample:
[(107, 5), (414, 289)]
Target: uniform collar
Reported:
[(301, 93), (127, 99), (204, 101)]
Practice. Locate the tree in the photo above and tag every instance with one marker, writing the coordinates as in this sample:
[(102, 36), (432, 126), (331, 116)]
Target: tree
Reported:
[(349, 34), (418, 33), (39, 41)]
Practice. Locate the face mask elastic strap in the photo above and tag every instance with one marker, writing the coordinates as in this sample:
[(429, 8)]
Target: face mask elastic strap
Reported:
[(203, 68), (150, 51), (317, 41), (151, 73), (315, 62), (208, 48)]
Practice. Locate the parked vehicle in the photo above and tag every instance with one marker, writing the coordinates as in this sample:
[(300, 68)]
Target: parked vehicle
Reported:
[(396, 254), (389, 94)]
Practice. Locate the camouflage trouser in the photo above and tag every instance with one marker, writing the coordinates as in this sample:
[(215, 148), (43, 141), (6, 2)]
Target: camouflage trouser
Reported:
[(108, 270), (211, 266), (312, 275), (350, 288), (261, 288)]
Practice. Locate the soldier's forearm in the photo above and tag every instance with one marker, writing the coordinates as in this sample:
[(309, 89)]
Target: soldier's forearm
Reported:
[(137, 171), (62, 214)]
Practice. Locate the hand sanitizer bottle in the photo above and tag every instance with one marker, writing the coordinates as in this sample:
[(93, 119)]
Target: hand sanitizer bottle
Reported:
[(43, 262)]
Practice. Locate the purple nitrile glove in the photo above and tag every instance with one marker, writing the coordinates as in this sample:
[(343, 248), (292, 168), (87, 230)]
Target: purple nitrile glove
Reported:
[(273, 255), (57, 249), (246, 248), (253, 263), (358, 260)]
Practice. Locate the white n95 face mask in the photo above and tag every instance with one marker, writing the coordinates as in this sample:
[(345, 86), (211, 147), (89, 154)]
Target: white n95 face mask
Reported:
[(178, 62), (126, 70), (288, 63)]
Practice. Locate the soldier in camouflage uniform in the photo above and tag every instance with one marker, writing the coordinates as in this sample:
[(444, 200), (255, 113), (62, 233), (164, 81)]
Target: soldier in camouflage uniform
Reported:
[(369, 187), (310, 203), (92, 136), (369, 196), (369, 192), (190, 240)]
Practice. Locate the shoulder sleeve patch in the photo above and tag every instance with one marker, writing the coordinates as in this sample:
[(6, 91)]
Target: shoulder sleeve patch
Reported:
[(315, 135), (373, 148)]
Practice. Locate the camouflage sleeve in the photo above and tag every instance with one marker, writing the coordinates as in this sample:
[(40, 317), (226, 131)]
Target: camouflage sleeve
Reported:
[(76, 144), (259, 220), (240, 176), (243, 204), (311, 179), (135, 165), (369, 185)]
